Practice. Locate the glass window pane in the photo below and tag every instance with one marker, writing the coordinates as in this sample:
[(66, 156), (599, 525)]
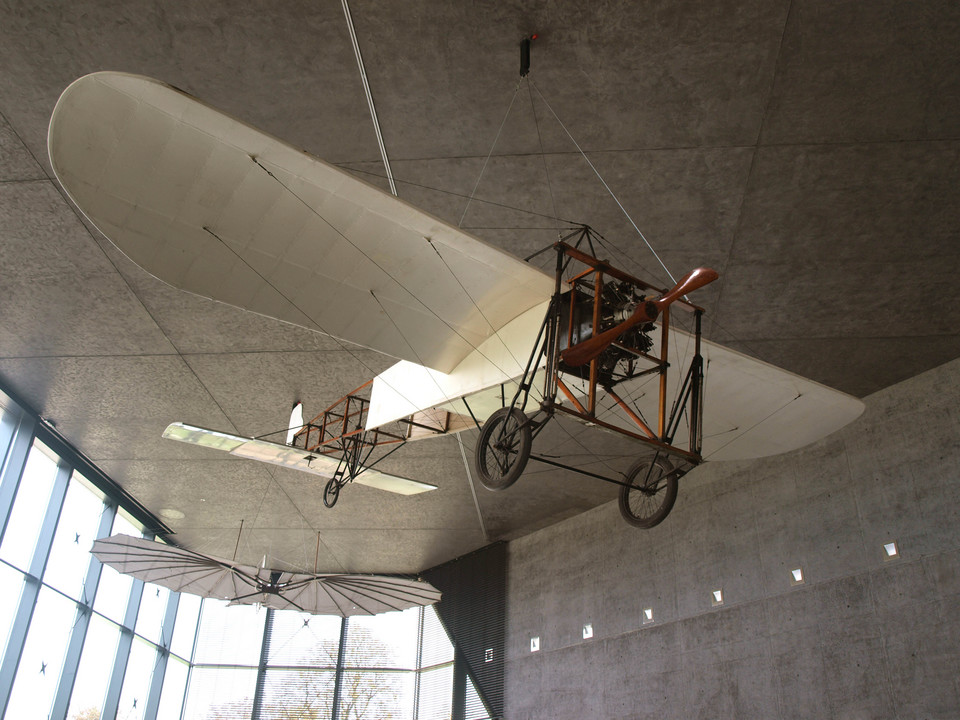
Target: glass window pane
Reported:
[(42, 659), (174, 688), (229, 634), (70, 554), (123, 525), (153, 604), (298, 694), (136, 680), (383, 641), (437, 648), (474, 709), (216, 693), (12, 583), (377, 694), (113, 591), (436, 694), (96, 666), (185, 628), (29, 507), (302, 639)]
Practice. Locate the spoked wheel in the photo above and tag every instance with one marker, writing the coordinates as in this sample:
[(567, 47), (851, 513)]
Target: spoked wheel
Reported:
[(503, 448), (331, 493), (651, 493)]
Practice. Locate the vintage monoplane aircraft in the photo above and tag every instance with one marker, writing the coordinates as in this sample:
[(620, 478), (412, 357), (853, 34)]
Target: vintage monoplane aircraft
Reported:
[(215, 207)]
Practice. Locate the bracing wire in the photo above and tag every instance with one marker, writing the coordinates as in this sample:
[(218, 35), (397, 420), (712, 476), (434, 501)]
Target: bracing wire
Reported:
[(604, 183), (311, 320), (379, 266), (604, 241), (476, 305), (756, 424), (543, 156), (471, 198), (575, 438), (487, 158)]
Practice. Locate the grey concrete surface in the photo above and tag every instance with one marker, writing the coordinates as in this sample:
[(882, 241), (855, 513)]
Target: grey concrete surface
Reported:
[(863, 636), (806, 149)]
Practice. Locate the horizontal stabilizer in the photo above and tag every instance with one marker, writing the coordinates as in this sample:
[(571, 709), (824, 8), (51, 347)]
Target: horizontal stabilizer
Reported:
[(291, 457)]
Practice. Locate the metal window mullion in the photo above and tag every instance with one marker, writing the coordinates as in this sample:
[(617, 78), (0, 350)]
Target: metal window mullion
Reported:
[(458, 709), (192, 658), (416, 686), (31, 585), (78, 635), (9, 422), (338, 675), (262, 667), (48, 528), (112, 702), (14, 463), (160, 670)]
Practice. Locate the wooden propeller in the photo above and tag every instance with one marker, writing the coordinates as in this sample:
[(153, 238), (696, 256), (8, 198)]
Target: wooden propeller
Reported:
[(645, 312)]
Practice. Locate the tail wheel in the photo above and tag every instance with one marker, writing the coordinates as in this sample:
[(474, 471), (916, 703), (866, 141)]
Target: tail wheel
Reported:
[(503, 448), (650, 492)]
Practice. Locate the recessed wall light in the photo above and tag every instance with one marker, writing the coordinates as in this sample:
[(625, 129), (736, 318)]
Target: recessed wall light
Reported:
[(587, 631), (647, 616), (488, 655), (890, 550), (716, 597), (796, 576), (535, 644)]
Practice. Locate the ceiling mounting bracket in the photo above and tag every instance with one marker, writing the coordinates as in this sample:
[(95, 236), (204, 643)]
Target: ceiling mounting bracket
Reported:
[(525, 55)]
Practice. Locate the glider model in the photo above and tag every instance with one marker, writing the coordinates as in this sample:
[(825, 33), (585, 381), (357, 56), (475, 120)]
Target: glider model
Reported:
[(186, 571), (215, 207)]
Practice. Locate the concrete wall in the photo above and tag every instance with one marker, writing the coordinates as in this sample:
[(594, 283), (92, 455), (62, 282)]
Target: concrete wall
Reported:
[(862, 637)]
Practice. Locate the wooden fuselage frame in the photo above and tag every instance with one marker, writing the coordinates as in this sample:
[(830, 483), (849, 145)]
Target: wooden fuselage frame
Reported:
[(689, 399)]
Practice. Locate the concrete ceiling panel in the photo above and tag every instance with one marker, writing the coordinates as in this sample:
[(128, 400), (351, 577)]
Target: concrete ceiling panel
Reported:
[(866, 72), (257, 390), (85, 315), (622, 76), (117, 406), (42, 235), (18, 163)]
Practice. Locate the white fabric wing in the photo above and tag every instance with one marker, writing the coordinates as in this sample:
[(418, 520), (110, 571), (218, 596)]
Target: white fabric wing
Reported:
[(211, 205)]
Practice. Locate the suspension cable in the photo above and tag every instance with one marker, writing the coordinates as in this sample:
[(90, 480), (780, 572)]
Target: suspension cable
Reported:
[(487, 158), (604, 182)]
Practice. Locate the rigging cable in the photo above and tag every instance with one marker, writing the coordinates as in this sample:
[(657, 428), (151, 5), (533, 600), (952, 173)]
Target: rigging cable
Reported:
[(756, 424), (373, 262), (604, 182), (487, 159), (543, 156)]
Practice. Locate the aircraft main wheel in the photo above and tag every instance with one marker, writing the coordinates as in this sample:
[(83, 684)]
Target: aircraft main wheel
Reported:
[(651, 493), (331, 493), (503, 448)]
